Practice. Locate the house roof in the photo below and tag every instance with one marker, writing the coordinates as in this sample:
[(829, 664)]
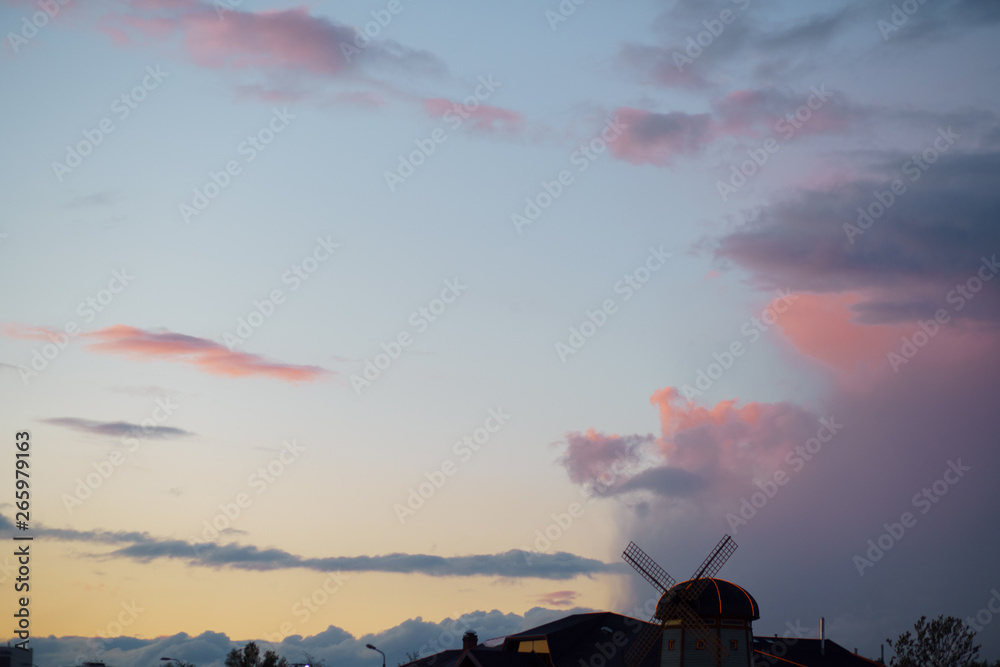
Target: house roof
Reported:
[(570, 640), (583, 637), (778, 652)]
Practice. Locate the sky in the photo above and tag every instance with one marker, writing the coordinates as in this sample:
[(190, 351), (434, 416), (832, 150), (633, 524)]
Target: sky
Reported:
[(337, 323)]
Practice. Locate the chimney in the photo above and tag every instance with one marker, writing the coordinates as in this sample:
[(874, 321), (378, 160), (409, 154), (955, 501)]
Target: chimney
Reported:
[(469, 640), (822, 636), (881, 650)]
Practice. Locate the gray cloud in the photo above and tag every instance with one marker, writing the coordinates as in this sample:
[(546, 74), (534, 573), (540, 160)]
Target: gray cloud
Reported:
[(663, 481), (118, 429), (929, 238), (515, 563), (334, 645)]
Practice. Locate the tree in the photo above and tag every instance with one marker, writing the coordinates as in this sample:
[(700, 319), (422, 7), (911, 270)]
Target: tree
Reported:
[(249, 656), (314, 662), (945, 641), (410, 657)]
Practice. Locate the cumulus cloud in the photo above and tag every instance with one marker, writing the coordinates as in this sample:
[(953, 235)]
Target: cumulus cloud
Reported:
[(334, 646), (700, 450)]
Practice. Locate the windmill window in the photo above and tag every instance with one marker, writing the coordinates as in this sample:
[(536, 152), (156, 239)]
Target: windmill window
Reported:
[(699, 644), (671, 644), (734, 644)]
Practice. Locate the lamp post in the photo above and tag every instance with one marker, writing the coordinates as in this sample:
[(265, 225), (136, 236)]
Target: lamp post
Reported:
[(375, 649), (173, 659)]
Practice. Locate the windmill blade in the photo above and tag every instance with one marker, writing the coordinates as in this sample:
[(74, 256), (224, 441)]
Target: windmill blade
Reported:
[(715, 560), (638, 649), (647, 567)]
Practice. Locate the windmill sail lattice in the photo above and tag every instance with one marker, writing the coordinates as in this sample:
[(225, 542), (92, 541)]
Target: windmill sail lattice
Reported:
[(678, 606)]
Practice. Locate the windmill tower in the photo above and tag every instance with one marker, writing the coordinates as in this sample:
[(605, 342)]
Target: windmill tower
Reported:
[(703, 622)]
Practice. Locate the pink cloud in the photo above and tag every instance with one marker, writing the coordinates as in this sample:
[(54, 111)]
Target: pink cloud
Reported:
[(590, 455), (726, 440), (273, 41), (28, 332), (823, 326), (764, 112), (483, 118), (659, 139), (205, 355), (721, 448), (558, 598)]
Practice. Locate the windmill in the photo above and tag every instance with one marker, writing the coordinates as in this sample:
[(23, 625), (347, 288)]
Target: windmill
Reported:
[(676, 603)]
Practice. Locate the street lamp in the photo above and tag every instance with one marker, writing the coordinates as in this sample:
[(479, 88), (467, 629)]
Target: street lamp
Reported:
[(174, 659), (375, 649)]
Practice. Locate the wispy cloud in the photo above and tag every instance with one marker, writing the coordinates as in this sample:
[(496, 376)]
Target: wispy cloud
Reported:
[(205, 355), (143, 547), (273, 41), (118, 429), (483, 118), (558, 598)]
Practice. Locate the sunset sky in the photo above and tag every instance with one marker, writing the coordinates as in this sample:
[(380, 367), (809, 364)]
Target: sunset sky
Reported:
[(424, 310)]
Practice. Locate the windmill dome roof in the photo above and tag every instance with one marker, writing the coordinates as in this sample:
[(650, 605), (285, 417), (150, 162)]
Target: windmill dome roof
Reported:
[(718, 598)]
